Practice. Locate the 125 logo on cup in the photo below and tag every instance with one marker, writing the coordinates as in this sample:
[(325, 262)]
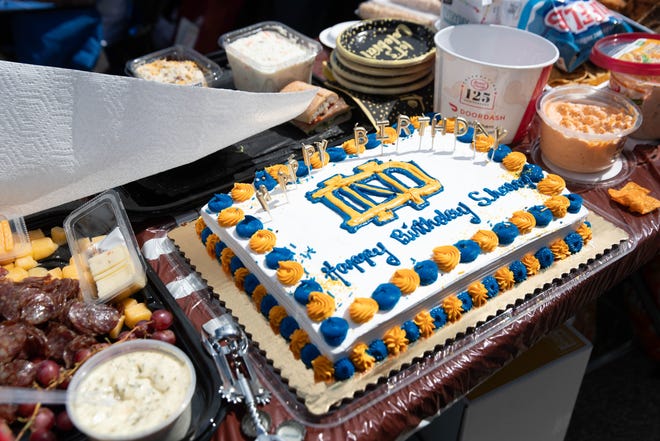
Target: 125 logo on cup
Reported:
[(478, 91)]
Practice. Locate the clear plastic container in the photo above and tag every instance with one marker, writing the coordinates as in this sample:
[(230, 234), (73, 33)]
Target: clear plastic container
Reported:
[(267, 56), (596, 123), (156, 67), (634, 64), (111, 368), (14, 239), (104, 249)]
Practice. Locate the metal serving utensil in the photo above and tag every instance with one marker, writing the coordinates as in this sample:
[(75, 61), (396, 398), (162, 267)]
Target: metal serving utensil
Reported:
[(227, 344)]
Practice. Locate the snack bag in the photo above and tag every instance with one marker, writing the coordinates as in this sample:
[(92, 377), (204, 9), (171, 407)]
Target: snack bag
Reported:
[(572, 25)]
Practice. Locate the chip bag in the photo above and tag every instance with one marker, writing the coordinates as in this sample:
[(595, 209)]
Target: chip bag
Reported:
[(572, 25)]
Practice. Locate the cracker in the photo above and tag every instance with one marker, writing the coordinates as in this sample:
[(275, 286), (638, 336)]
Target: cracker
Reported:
[(635, 197)]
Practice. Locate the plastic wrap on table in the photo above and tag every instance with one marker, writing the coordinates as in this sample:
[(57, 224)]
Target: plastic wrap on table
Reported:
[(435, 380)]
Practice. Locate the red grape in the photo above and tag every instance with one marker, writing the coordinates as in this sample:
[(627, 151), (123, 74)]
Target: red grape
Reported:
[(141, 329), (47, 372), (82, 355), (161, 319), (125, 335), (5, 432), (64, 384), (63, 422), (42, 435), (166, 335), (45, 419), (25, 410)]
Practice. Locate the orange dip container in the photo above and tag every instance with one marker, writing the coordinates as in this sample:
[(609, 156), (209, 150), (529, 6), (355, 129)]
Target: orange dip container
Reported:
[(583, 129)]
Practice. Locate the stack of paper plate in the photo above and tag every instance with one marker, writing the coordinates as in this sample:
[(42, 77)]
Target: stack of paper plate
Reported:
[(384, 57)]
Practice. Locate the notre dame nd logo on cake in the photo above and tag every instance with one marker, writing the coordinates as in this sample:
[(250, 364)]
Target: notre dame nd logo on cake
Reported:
[(375, 191)]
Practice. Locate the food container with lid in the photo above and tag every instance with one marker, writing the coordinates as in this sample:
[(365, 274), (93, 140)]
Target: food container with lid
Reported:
[(634, 64), (104, 249), (14, 239), (176, 65), (269, 55), (137, 390), (583, 128)]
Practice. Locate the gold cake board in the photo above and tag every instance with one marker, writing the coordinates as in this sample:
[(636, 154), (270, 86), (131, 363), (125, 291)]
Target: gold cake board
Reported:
[(320, 397)]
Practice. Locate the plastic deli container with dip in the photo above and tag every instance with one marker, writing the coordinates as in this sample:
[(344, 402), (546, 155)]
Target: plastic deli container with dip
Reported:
[(583, 129), (267, 56), (135, 390), (634, 64)]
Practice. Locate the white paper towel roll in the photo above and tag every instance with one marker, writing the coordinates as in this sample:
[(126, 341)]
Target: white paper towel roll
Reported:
[(67, 134)]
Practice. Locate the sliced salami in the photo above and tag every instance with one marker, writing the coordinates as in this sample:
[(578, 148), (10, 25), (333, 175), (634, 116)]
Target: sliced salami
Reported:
[(92, 318)]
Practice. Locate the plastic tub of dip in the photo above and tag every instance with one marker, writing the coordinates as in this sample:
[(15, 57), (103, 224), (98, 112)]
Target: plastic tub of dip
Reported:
[(267, 56), (138, 390), (583, 129), (634, 64)]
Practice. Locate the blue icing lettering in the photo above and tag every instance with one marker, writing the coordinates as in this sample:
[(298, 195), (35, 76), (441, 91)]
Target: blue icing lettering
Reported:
[(422, 226), (491, 195), (335, 272)]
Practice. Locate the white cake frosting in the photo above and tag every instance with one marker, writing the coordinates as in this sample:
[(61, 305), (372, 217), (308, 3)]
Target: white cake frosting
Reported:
[(351, 261)]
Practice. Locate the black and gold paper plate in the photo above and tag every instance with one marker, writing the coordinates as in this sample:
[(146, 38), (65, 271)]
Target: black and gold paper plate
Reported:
[(386, 43), (384, 71), (384, 90), (344, 71)]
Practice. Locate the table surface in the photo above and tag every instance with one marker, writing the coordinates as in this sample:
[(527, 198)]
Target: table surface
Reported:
[(389, 414)]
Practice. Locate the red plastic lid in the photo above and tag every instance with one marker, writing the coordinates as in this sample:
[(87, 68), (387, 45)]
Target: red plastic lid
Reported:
[(605, 48)]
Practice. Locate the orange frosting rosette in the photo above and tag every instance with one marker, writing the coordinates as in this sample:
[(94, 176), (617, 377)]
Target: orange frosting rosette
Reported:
[(199, 226), (225, 258), (425, 323), (275, 316), (211, 242), (560, 249), (487, 240), (505, 278), (514, 161), (524, 220), (320, 306), (558, 205), (230, 216), (395, 340), (363, 309), (483, 143), (361, 359), (391, 135), (315, 160), (446, 257), (351, 148), (289, 272), (242, 192), (585, 232), (324, 370), (262, 241), (551, 185), (258, 295), (274, 170), (531, 263), (453, 308), (406, 279), (478, 293), (299, 339), (239, 277)]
